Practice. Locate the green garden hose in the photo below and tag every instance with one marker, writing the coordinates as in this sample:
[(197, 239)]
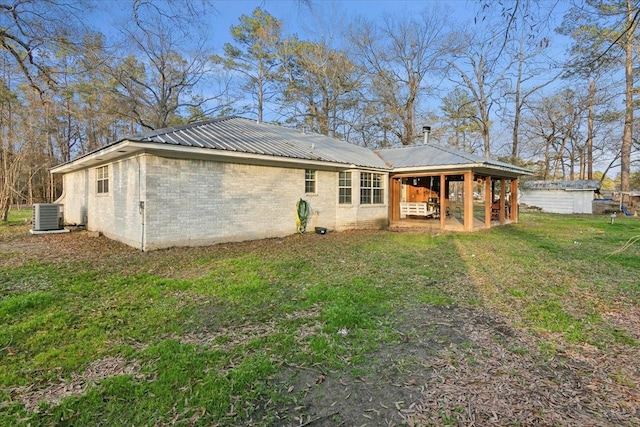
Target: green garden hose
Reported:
[(302, 215)]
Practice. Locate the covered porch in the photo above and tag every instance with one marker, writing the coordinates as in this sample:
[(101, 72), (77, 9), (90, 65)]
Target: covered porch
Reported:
[(439, 187), (452, 201)]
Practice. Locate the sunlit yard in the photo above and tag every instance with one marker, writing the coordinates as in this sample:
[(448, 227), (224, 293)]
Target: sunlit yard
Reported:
[(325, 329)]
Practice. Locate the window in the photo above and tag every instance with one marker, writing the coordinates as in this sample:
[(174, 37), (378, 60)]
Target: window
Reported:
[(309, 181), (371, 188), (344, 188), (102, 179)]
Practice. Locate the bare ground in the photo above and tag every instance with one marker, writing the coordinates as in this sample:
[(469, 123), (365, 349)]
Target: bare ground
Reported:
[(461, 366)]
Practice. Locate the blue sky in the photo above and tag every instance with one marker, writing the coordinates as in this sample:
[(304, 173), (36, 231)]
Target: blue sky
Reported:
[(300, 18)]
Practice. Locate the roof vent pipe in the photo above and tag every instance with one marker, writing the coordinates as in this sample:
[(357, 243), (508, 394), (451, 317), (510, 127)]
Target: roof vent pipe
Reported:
[(426, 130)]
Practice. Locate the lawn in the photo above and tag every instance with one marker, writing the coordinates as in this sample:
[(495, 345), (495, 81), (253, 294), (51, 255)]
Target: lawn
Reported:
[(532, 323)]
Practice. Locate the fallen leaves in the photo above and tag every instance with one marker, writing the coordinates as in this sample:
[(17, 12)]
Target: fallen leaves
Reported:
[(31, 396)]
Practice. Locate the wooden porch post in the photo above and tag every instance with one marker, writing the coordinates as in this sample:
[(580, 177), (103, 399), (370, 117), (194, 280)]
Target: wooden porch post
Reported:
[(503, 188), (514, 200), (468, 201), (488, 200), (443, 202), (394, 200)]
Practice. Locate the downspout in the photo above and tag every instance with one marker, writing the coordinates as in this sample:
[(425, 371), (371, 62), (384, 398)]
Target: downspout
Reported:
[(140, 206)]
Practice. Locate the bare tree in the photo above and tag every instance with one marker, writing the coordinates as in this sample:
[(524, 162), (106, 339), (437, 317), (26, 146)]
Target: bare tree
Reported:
[(475, 66), (604, 34), (398, 57), (554, 133), (161, 82)]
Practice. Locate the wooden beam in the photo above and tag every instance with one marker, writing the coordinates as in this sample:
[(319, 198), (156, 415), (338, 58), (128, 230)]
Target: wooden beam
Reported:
[(468, 201)]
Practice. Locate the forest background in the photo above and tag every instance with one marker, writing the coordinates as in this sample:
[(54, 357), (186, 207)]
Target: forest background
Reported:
[(548, 85)]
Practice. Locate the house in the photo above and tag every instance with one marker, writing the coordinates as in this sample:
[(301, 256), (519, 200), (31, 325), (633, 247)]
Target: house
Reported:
[(564, 197), (233, 179)]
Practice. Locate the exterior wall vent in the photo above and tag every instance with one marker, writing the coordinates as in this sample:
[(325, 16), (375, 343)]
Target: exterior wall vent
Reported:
[(47, 216)]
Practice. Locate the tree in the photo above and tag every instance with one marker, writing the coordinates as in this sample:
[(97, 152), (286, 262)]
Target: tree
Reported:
[(604, 37), (157, 83), (29, 29), (319, 84), (554, 133), (459, 117), (475, 66), (255, 54), (527, 69), (398, 57)]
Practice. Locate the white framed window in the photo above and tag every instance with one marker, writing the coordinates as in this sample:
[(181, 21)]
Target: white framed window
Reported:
[(371, 188), (102, 179), (310, 181), (344, 188)]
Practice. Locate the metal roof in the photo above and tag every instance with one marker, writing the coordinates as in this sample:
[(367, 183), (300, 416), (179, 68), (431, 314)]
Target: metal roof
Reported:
[(248, 136), (237, 136), (431, 155), (578, 184)]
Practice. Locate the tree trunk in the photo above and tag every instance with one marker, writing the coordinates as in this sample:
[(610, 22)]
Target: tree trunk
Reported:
[(516, 118), (625, 154), (590, 114)]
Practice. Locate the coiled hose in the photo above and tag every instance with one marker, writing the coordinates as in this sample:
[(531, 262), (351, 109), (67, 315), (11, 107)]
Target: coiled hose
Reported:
[(302, 215)]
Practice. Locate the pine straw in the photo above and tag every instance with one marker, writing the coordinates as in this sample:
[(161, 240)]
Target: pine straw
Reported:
[(486, 384), (227, 338), (54, 393)]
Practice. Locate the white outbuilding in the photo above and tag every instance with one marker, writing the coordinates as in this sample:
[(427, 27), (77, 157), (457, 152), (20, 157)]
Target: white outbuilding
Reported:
[(564, 197)]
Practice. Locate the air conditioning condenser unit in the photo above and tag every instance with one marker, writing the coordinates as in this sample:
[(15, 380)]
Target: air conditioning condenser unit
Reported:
[(47, 216)]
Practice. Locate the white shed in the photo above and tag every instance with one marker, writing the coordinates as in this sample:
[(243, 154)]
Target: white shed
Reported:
[(565, 197)]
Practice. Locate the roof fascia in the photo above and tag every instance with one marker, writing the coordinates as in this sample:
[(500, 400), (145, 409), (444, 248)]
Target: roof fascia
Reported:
[(106, 154), (484, 168)]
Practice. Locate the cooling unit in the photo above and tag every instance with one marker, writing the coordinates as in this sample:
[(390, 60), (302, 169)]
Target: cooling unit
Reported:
[(47, 216)]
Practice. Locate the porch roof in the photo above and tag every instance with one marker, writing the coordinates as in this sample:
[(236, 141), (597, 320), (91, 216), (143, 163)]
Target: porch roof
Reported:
[(437, 158)]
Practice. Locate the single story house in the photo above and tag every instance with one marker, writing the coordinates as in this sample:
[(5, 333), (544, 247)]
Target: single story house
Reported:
[(564, 197), (233, 179)]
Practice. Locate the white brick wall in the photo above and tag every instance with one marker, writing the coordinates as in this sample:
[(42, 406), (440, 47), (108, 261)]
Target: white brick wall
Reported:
[(200, 202), (74, 196)]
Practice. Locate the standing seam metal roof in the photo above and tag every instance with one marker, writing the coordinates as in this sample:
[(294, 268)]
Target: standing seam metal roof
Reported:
[(247, 136), (416, 156), (240, 135)]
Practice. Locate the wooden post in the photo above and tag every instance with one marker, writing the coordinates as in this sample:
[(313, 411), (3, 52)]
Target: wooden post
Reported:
[(443, 201), (488, 200), (514, 200), (394, 201), (468, 201), (503, 189)]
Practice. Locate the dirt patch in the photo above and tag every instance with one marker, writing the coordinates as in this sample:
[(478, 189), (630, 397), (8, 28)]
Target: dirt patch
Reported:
[(461, 366), (54, 393), (228, 337)]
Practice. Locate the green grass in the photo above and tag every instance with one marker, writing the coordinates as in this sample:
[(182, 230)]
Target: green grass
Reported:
[(19, 216), (208, 329)]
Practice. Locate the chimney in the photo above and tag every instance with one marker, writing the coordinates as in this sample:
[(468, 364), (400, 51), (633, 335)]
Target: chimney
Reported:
[(426, 130)]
